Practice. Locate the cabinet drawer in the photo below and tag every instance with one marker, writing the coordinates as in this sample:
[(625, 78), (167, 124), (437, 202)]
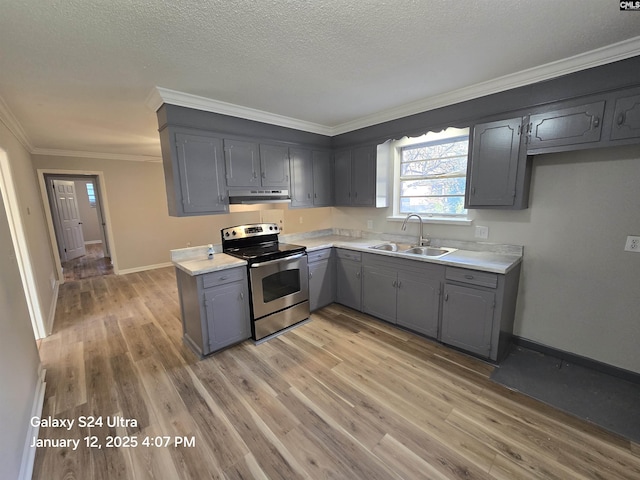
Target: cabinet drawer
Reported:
[(222, 276), (349, 254), (318, 255), (473, 277)]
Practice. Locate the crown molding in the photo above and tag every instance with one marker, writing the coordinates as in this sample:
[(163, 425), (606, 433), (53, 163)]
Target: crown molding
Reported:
[(601, 56), (594, 58), (9, 119), (97, 155), (182, 99)]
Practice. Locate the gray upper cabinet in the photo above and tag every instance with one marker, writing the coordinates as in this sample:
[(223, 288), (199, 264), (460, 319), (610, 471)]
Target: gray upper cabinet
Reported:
[(566, 127), (626, 118), (322, 179), (194, 172), (355, 172), (251, 165), (242, 162), (363, 176), (497, 171), (274, 166), (342, 173), (311, 175), (301, 164)]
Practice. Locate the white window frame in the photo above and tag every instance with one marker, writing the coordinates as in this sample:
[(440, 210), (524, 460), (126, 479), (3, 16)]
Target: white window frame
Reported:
[(395, 150)]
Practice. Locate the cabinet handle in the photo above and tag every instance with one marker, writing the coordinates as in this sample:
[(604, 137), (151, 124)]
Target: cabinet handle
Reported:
[(357, 274), (222, 278), (310, 274), (399, 284), (308, 195), (264, 174), (315, 195), (255, 174), (596, 122), (446, 297), (241, 296), (394, 283), (620, 118), (469, 277)]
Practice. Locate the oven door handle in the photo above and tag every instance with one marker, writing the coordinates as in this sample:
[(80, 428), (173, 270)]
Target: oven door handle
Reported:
[(278, 260)]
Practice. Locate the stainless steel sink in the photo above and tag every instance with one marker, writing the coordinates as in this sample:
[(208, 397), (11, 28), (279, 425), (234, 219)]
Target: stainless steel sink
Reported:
[(429, 251), (389, 247)]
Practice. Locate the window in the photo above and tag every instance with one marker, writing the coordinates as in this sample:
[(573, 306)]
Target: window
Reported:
[(91, 193), (432, 177)]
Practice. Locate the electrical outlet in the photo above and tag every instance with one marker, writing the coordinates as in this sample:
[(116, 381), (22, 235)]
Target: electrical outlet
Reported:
[(482, 232), (633, 244)]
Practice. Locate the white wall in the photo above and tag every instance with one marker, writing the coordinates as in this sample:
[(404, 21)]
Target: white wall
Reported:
[(578, 289), (19, 360)]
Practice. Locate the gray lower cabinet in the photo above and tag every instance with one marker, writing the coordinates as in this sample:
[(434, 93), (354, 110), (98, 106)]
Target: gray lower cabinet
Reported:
[(403, 292), (497, 172), (321, 278), (194, 172), (478, 311), (349, 278), (215, 309), (467, 318)]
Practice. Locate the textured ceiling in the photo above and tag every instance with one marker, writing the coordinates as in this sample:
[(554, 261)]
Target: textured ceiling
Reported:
[(75, 74)]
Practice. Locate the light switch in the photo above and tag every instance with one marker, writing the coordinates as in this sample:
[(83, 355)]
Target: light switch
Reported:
[(482, 232)]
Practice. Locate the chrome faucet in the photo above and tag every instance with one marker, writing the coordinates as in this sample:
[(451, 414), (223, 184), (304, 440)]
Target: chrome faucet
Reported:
[(421, 241)]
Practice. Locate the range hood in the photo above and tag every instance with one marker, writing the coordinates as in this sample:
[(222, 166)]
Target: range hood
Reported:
[(263, 195)]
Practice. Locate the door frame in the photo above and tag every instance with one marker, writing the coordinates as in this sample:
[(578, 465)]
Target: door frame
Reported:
[(101, 197), (20, 246)]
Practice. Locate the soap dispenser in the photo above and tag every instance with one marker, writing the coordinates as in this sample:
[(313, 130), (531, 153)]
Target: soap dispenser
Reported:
[(210, 252)]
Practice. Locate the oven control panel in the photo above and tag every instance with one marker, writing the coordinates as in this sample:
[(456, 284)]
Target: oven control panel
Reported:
[(253, 230)]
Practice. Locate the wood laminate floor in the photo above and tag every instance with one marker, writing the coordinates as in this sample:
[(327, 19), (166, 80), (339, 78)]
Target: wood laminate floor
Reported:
[(92, 264), (344, 396)]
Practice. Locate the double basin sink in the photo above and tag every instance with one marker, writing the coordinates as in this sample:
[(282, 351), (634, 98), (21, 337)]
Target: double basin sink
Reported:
[(430, 252)]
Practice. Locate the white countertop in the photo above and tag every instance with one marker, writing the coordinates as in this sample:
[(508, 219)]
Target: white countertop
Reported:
[(200, 265), (486, 261), (194, 262)]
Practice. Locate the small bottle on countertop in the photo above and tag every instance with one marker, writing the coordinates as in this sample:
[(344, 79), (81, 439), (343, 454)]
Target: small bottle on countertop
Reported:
[(210, 252)]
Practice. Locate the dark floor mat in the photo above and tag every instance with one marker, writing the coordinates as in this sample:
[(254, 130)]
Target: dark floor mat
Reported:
[(610, 402)]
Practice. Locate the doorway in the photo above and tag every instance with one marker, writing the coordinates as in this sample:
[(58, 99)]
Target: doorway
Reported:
[(78, 226)]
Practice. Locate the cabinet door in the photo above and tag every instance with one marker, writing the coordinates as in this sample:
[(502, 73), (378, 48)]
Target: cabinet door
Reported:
[(348, 283), (322, 179), (301, 177), (227, 315), (321, 284), (567, 126), (467, 318), (363, 177), (493, 164), (342, 178), (379, 292), (242, 163), (201, 167), (418, 303), (274, 166), (626, 118)]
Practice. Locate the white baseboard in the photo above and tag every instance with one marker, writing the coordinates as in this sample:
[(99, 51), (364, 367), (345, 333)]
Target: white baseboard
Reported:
[(92, 242), (29, 453), (142, 269)]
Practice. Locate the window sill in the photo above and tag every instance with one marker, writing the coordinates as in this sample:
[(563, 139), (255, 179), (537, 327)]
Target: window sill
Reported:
[(462, 221)]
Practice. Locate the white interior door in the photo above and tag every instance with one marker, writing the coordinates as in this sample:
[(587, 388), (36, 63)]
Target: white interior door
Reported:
[(70, 222)]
